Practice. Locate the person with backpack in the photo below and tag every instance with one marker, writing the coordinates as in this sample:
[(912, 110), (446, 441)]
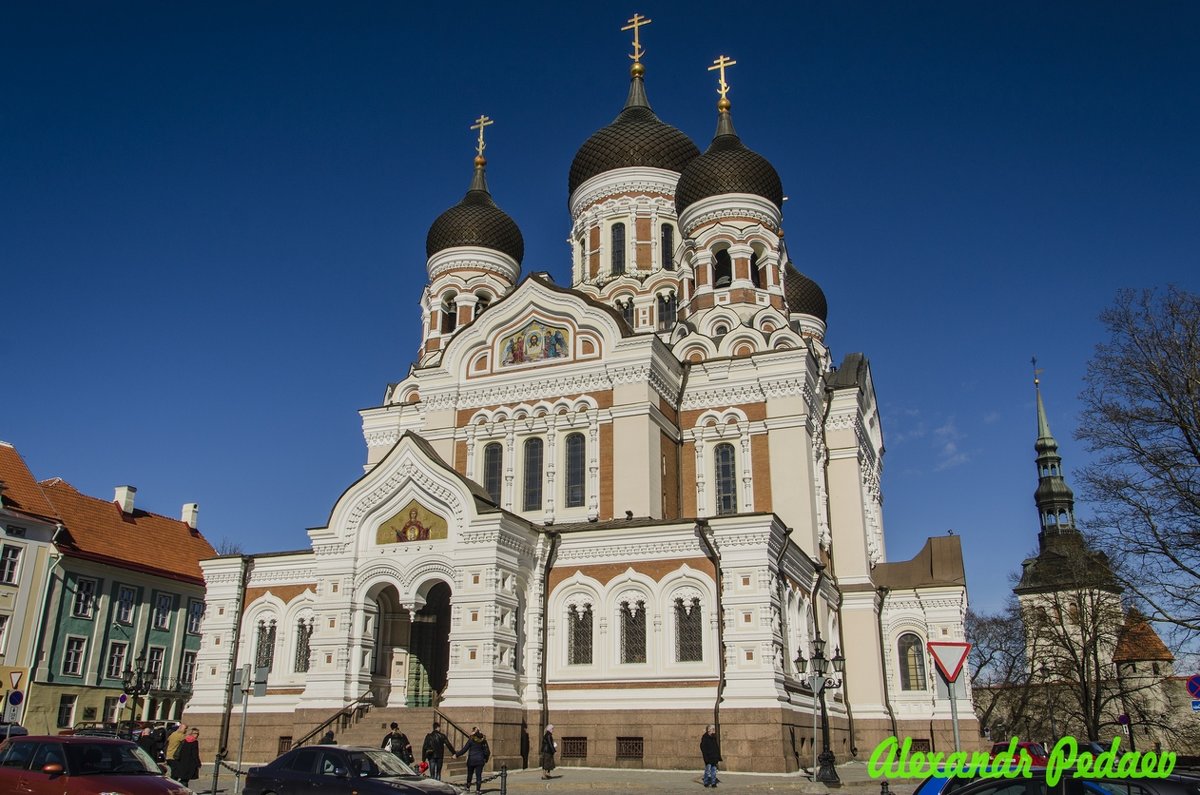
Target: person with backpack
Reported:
[(397, 742), (478, 753), (433, 750)]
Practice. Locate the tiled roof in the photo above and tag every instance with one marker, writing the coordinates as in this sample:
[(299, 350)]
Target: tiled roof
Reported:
[(1138, 641), (18, 488), (140, 540)]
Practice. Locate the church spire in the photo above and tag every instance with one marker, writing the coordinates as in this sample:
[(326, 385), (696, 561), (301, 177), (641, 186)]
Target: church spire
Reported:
[(1054, 498)]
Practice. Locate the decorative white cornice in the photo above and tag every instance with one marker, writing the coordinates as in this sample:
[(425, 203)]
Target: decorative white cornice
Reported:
[(730, 395), (384, 438), (598, 380), (482, 259), (635, 179), (730, 205)]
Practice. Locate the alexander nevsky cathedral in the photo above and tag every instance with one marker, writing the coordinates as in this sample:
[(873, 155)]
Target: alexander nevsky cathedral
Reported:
[(629, 506)]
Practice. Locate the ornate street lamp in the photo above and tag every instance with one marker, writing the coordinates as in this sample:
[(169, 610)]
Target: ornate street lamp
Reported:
[(818, 682), (136, 682)]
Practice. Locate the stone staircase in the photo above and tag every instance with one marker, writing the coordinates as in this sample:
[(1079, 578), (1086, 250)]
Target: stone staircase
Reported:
[(415, 722)]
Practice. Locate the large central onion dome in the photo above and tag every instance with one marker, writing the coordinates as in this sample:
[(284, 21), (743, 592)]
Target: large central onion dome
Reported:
[(635, 138), (476, 221), (727, 167)]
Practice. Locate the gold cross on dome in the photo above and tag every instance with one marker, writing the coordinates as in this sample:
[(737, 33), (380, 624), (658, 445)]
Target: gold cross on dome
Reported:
[(480, 123), (720, 64), (635, 22)]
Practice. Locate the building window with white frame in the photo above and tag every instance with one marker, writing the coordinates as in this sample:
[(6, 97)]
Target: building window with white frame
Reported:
[(533, 474), (116, 660), (10, 564), (493, 470), (66, 711), (112, 709), (187, 672), (576, 449), (912, 662), (85, 598), (726, 478), (304, 631), (126, 596), (579, 634), (264, 654), (3, 632), (163, 603), (689, 630), (633, 632), (73, 653), (668, 247), (195, 616), (154, 662)]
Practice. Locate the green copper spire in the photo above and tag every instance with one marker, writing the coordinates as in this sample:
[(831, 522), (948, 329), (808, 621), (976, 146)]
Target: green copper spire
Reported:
[(1054, 498)]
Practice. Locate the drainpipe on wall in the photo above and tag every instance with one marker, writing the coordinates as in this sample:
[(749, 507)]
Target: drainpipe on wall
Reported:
[(702, 530), (35, 653), (555, 538), (883, 648)]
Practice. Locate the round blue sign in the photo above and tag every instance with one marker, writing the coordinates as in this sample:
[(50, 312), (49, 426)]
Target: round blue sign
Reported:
[(1193, 685), (16, 697)]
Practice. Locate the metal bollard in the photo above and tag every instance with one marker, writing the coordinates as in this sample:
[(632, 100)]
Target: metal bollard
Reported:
[(883, 788), (503, 779)]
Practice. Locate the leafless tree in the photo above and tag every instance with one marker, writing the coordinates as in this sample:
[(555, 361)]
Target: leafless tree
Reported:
[(229, 546)]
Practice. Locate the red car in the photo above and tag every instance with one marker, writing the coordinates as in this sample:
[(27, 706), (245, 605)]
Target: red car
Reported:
[(81, 765), (1035, 750)]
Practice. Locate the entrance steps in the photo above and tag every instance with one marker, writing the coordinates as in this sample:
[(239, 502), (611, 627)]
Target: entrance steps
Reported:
[(415, 722)]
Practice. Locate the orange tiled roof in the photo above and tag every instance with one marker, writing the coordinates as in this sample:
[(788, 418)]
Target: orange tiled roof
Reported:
[(20, 491), (100, 531), (1138, 641)]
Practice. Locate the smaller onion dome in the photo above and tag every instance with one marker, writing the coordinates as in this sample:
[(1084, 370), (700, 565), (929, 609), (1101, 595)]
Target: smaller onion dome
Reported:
[(635, 138), (804, 296), (727, 167), (476, 221)]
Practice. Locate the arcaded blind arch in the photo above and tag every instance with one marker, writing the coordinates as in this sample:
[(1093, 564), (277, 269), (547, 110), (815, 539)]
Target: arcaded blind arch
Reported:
[(633, 631), (493, 470), (618, 249), (579, 634), (576, 469), (912, 662), (689, 630), (725, 462), (533, 474)]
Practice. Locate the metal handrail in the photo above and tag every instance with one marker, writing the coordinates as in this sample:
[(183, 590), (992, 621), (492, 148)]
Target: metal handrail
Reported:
[(361, 705), (446, 720)]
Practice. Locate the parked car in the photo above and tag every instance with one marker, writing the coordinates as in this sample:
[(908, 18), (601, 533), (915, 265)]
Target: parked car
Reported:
[(12, 730), (1035, 750), (91, 729), (81, 765), (1086, 785), (340, 770)]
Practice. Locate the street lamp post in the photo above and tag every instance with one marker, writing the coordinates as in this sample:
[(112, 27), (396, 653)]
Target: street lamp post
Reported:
[(136, 682), (818, 682)]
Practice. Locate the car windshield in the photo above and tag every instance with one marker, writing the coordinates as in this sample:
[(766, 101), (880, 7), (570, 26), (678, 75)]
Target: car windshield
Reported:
[(98, 759), (373, 764)]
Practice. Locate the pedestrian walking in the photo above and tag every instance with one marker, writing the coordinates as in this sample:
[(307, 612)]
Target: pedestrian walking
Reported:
[(710, 749), (187, 764), (478, 753), (397, 742), (328, 739), (433, 750), (174, 740), (547, 751), (145, 741)]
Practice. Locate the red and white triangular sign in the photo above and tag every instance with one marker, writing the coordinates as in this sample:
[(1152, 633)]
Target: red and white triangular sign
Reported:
[(949, 657)]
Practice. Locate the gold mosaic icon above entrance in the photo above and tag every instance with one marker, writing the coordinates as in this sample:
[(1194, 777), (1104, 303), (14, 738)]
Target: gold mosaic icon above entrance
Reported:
[(413, 522)]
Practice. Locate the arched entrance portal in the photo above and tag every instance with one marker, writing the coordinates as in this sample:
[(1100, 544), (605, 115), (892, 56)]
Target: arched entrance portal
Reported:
[(429, 648)]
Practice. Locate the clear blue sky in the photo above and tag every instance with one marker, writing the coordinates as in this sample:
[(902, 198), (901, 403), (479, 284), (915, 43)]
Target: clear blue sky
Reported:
[(213, 216)]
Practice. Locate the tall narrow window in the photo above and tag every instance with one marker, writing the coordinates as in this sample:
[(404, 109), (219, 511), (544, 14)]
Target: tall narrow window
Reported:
[(576, 453), (618, 249), (912, 662), (304, 630), (493, 470), (755, 276), (10, 563), (449, 313), (116, 660), (163, 603), (482, 302), (533, 474), (125, 597), (73, 656), (154, 662), (579, 635), (666, 312), (722, 268), (689, 631), (726, 479), (633, 632), (668, 247), (195, 616), (187, 671), (66, 711), (264, 655), (627, 311), (85, 598)]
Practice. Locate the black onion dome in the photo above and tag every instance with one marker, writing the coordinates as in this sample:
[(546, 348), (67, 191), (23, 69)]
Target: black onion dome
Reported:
[(728, 167), (804, 296), (635, 138), (476, 221)]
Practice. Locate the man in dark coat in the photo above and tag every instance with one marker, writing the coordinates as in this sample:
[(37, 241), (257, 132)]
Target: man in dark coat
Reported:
[(187, 763), (433, 750), (478, 753), (710, 749), (397, 742)]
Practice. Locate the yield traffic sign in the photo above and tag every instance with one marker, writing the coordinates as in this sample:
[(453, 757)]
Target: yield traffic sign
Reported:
[(949, 656)]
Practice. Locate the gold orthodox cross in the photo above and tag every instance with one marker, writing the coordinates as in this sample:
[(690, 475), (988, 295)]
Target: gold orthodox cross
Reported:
[(634, 23), (480, 123), (720, 64)]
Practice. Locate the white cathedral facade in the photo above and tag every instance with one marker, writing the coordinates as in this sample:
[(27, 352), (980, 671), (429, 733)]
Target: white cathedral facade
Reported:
[(623, 506)]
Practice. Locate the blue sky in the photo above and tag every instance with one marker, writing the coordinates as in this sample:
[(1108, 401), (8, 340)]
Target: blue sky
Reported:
[(213, 219)]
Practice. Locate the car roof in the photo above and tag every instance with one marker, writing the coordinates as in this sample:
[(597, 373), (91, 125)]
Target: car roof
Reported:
[(71, 739)]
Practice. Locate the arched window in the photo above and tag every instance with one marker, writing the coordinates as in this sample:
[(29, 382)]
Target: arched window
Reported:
[(575, 469), (579, 635), (449, 313), (667, 310), (755, 276), (482, 302), (618, 248), (689, 630), (627, 311), (726, 477), (533, 474), (264, 654), (668, 247), (722, 269), (633, 632), (493, 470), (912, 662), (304, 630)]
